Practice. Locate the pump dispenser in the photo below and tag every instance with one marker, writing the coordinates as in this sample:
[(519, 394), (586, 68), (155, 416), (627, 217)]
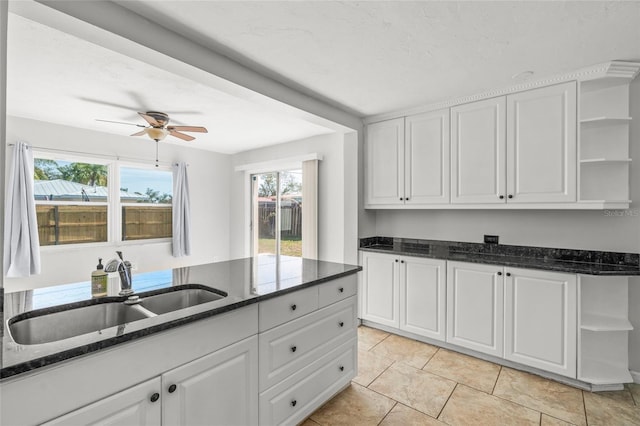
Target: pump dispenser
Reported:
[(99, 281)]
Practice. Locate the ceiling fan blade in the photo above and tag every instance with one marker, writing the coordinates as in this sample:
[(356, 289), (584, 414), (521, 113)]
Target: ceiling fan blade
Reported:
[(120, 122), (181, 135), (140, 133), (198, 129), (150, 119)]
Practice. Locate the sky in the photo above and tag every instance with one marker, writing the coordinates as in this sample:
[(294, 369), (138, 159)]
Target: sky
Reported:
[(138, 180)]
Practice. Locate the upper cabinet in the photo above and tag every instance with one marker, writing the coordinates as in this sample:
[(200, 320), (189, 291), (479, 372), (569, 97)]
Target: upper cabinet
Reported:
[(408, 160), (555, 146)]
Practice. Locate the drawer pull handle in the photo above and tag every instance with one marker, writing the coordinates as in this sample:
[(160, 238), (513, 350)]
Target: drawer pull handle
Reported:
[(341, 290), (341, 324), (172, 388), (155, 397), (293, 403), (293, 348), (342, 368), (293, 307)]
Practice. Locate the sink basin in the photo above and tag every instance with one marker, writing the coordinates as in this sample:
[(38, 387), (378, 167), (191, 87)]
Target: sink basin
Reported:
[(30, 329), (44, 326), (180, 297)]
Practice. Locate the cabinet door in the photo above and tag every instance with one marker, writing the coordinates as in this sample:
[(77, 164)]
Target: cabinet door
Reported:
[(475, 308), (427, 158), (540, 320), (478, 150), (423, 297), (385, 162), (380, 288), (133, 406), (541, 145), (217, 389)]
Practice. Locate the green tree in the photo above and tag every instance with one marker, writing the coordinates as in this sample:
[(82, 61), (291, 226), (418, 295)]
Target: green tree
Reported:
[(155, 196), (87, 174), (290, 183), (44, 169)]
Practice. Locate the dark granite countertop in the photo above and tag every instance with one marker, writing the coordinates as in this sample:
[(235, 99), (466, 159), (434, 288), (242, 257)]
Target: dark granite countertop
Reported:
[(549, 259), (246, 281)]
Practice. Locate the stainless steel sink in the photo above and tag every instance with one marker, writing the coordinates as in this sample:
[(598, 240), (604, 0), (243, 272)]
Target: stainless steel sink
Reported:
[(50, 327), (179, 298), (43, 326)]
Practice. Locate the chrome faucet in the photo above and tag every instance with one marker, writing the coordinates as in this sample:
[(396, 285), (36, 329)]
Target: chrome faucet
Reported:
[(124, 269)]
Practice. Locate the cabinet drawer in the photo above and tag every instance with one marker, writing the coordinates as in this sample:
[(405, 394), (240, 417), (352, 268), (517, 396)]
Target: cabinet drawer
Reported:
[(336, 290), (288, 348), (295, 398), (279, 310)]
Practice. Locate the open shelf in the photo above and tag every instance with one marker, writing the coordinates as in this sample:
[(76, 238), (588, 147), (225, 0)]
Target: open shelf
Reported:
[(594, 322), (602, 373)]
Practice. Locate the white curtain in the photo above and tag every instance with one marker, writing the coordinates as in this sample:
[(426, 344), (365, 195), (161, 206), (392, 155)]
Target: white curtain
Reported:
[(21, 242), (181, 211)]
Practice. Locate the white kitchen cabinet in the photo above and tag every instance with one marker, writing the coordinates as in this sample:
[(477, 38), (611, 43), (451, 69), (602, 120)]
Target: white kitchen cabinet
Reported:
[(475, 306), (540, 320), (423, 296), (405, 292), (380, 289), (139, 405), (408, 160), (515, 149), (218, 389), (385, 163), (478, 152)]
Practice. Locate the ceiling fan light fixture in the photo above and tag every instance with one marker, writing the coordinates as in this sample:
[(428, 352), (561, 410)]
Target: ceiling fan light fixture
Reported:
[(157, 134)]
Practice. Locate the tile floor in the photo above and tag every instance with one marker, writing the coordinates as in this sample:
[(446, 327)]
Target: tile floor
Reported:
[(405, 382)]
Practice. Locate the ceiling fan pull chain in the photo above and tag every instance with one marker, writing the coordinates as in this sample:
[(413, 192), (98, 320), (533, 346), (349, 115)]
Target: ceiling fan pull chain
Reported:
[(157, 143)]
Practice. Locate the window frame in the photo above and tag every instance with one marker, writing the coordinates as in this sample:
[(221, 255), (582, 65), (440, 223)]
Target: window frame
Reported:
[(114, 206)]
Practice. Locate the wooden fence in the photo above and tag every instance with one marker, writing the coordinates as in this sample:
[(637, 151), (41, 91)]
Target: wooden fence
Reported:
[(144, 222), (290, 220)]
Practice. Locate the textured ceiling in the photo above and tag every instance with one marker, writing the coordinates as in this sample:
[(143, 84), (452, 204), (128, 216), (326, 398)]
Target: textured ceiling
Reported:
[(378, 56)]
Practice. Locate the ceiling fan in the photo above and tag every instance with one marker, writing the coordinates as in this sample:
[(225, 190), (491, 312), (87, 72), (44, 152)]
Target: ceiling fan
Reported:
[(158, 128)]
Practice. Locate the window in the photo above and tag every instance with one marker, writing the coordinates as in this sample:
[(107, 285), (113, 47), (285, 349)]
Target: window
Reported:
[(145, 197), (72, 201), (76, 201)]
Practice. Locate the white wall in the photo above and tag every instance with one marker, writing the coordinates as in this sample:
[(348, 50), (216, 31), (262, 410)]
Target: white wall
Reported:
[(337, 237), (209, 178), (589, 230)]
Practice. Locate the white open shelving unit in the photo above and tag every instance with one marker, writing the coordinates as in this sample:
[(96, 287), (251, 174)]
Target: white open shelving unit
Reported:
[(603, 321), (603, 149)]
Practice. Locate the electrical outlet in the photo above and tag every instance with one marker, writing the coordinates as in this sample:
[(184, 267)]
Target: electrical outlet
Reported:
[(491, 239)]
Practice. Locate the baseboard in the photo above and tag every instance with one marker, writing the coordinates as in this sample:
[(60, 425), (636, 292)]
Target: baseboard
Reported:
[(635, 375)]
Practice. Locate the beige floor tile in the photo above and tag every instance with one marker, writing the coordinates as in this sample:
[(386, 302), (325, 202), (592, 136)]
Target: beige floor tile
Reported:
[(369, 337), (468, 406), (406, 350), (418, 389), (356, 405), (552, 421), (401, 415), (370, 366), (553, 398), (623, 396), (470, 371), (603, 411), (309, 422), (634, 388)]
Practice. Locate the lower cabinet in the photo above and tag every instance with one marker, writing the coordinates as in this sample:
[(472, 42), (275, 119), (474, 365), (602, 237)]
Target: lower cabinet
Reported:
[(475, 307), (217, 389), (405, 292)]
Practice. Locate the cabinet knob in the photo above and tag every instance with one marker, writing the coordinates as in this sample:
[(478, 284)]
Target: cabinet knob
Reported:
[(499, 273), (293, 307), (396, 260), (402, 261), (155, 397), (172, 388), (501, 197), (510, 196), (293, 403), (401, 199), (341, 368), (341, 290), (406, 199), (341, 324), (508, 274), (293, 348)]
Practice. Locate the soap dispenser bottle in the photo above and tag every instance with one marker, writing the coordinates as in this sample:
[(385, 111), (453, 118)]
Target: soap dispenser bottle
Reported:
[(99, 281)]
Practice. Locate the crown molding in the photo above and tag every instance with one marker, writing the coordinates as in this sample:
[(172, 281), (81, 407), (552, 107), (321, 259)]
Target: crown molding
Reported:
[(619, 70)]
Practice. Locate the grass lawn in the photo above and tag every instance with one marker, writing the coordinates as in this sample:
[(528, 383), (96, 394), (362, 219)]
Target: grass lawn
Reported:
[(287, 247)]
